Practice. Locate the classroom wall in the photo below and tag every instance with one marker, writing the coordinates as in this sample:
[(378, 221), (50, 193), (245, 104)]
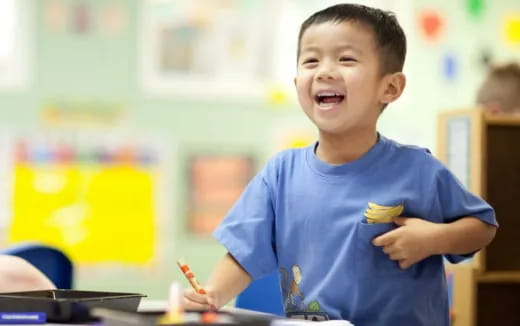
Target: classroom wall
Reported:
[(68, 66)]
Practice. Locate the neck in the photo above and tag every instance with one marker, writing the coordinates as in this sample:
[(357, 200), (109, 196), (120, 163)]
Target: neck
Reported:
[(347, 148)]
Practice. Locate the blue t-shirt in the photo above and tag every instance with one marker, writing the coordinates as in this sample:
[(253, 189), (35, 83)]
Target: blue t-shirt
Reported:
[(307, 219)]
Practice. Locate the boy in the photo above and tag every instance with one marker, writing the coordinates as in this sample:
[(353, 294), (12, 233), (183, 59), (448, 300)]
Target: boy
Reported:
[(500, 91), (17, 274), (356, 223)]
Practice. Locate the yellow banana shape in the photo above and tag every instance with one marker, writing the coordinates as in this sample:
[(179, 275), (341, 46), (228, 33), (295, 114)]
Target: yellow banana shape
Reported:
[(382, 214), (373, 216), (381, 220), (377, 206), (394, 212)]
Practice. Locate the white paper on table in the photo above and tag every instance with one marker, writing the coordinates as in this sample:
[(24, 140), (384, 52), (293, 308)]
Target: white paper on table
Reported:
[(302, 322)]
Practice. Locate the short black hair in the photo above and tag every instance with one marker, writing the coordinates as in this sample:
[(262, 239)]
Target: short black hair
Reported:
[(389, 36)]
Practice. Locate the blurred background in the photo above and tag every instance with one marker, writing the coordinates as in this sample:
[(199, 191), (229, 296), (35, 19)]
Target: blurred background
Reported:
[(128, 128)]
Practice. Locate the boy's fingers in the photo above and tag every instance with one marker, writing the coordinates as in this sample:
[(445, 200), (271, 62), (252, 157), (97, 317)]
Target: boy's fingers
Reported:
[(389, 250), (191, 295), (206, 300), (400, 220), (404, 264), (396, 256), (383, 240), (211, 298), (192, 305)]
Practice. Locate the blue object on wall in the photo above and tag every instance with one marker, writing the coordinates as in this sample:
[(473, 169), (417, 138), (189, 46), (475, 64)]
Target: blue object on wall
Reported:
[(450, 67), (263, 295), (49, 260)]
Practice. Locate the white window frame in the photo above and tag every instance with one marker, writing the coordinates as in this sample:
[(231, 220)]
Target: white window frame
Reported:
[(16, 63)]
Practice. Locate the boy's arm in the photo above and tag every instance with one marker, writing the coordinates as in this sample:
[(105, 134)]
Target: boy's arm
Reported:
[(227, 281), (417, 239), (463, 236)]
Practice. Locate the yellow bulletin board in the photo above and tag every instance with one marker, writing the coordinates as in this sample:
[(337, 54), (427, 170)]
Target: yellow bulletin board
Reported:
[(216, 182), (97, 204)]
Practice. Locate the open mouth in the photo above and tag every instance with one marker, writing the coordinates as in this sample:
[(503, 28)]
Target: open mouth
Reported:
[(329, 98)]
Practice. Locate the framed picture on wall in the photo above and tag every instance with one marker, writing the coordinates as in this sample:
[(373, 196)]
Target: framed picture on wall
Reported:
[(209, 48), (216, 182)]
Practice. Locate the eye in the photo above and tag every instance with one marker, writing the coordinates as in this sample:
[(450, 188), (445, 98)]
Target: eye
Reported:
[(309, 61), (347, 59)]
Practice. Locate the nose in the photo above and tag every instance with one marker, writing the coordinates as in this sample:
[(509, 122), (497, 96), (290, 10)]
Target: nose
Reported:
[(326, 71)]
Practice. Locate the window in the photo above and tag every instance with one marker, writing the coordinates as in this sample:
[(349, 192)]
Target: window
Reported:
[(15, 16)]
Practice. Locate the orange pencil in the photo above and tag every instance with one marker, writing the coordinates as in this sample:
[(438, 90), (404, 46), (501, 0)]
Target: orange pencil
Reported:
[(190, 276)]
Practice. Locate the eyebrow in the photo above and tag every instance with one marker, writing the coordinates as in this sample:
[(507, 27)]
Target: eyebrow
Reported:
[(338, 48)]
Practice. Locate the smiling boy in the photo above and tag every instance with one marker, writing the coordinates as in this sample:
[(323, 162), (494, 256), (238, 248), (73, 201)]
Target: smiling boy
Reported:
[(363, 220)]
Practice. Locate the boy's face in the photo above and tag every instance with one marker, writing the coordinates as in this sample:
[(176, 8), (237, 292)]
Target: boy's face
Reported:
[(338, 80)]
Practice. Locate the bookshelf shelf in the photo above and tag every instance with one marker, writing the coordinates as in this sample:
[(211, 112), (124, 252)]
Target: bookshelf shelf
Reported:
[(483, 151)]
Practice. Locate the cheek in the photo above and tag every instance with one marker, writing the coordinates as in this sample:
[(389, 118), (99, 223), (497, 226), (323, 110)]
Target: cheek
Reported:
[(362, 85), (357, 78), (303, 91), (360, 75)]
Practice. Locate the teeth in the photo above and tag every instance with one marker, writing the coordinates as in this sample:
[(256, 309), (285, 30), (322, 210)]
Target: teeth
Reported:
[(328, 94)]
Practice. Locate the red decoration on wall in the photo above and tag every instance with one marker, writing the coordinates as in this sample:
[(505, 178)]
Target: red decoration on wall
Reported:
[(431, 23)]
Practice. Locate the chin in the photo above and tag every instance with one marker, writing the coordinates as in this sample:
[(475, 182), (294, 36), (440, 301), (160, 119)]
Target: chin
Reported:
[(331, 130)]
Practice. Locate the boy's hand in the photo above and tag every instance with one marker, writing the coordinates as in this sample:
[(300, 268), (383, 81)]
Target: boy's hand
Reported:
[(196, 301), (413, 241)]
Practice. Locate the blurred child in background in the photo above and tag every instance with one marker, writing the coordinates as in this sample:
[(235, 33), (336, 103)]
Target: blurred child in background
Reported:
[(500, 91), (16, 274)]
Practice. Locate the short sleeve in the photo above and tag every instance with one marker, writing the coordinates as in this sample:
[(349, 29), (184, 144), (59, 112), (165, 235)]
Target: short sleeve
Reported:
[(455, 202), (247, 230)]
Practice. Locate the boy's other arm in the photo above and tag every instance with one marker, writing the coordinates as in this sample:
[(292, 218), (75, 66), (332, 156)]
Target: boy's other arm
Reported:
[(417, 239), (227, 281), (464, 236)]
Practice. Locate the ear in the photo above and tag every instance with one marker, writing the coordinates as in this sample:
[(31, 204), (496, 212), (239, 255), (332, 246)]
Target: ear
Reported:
[(294, 80), (392, 87)]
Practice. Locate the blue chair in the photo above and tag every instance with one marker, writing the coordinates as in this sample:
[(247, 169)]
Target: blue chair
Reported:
[(49, 260), (263, 295)]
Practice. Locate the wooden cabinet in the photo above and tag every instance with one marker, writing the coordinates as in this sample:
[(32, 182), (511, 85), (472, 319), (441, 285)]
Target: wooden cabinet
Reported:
[(484, 153)]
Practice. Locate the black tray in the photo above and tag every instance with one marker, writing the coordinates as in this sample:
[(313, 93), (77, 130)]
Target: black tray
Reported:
[(68, 305), (191, 318)]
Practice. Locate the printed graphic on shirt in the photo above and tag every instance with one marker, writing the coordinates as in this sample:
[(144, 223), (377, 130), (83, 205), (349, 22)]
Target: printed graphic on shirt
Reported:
[(292, 294), (376, 213), (294, 300)]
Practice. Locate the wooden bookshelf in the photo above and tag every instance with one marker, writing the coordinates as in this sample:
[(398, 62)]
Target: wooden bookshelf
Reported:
[(483, 151)]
